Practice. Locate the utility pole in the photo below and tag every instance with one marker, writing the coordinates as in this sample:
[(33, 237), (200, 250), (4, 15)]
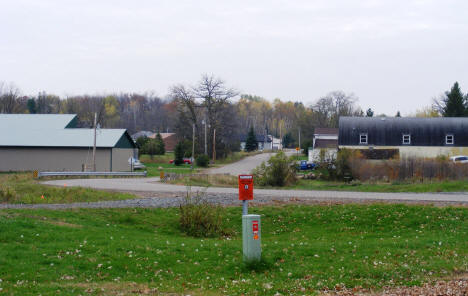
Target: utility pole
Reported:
[(214, 145), (94, 145), (299, 137), (193, 145), (206, 147), (281, 136)]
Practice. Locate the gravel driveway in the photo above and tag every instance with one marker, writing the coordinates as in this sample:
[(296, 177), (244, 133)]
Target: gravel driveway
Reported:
[(157, 194), (243, 166)]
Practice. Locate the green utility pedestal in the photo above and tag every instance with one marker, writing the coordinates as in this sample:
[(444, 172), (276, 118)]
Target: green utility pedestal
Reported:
[(251, 238)]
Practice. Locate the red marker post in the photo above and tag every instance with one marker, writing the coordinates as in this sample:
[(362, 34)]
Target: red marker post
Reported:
[(245, 191)]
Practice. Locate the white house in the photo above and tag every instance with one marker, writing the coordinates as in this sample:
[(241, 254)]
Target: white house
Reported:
[(326, 140)]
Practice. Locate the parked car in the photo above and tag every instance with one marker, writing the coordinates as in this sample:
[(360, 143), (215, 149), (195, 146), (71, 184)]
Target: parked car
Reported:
[(305, 165), (136, 163), (459, 159), (186, 161)]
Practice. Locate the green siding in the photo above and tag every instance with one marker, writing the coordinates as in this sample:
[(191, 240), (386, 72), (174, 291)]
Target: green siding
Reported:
[(73, 123), (125, 142)]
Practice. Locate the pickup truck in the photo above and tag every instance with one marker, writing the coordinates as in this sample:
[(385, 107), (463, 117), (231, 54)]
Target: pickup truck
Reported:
[(304, 165)]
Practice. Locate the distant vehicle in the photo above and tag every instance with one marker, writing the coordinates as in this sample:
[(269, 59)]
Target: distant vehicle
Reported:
[(136, 163), (304, 165), (186, 161), (459, 159)]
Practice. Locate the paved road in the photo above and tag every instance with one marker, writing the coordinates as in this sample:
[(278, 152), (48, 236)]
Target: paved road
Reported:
[(244, 166), (152, 187)]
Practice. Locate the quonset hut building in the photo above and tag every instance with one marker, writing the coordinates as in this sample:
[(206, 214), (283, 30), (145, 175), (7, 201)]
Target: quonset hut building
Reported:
[(51, 142), (385, 137)]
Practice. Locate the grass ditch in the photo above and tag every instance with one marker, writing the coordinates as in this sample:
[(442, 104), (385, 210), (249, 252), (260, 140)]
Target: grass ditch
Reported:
[(22, 188), (417, 187), (306, 249)]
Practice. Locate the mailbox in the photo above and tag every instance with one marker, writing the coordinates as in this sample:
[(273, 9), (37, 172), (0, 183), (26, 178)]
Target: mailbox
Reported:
[(245, 187)]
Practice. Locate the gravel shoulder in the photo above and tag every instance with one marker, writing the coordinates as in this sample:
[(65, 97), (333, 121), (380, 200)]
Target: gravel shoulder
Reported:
[(153, 193)]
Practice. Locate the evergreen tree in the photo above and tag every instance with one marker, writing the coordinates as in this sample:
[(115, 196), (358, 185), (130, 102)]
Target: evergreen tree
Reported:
[(31, 104), (179, 154), (251, 141), (398, 114), (454, 102), (288, 140), (150, 147), (369, 112), (160, 147)]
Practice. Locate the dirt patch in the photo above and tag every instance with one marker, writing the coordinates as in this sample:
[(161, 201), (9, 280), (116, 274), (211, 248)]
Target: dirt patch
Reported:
[(129, 288), (453, 287), (54, 222)]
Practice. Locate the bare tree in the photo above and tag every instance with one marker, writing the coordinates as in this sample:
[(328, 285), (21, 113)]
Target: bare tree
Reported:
[(9, 95), (330, 108)]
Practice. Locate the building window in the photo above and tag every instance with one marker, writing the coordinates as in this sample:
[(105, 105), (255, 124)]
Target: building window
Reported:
[(363, 139), (406, 139), (449, 139)]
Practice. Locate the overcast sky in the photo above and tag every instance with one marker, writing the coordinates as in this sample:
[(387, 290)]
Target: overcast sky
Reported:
[(394, 55)]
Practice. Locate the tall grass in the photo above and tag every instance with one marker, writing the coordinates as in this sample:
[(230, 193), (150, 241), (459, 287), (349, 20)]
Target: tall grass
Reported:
[(407, 169)]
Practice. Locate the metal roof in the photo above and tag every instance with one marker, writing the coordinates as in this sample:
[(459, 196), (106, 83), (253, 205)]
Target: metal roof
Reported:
[(388, 131), (70, 137), (35, 121), (49, 130)]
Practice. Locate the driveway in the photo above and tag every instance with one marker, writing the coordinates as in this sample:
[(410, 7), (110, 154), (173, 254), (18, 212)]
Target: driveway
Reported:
[(244, 166)]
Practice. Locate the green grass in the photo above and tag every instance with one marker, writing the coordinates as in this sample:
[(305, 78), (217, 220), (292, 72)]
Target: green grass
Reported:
[(442, 186), (22, 188), (418, 187), (305, 248), (153, 169)]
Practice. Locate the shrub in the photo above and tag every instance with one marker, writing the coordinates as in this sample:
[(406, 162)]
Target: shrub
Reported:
[(199, 218), (7, 194), (280, 171), (202, 160)]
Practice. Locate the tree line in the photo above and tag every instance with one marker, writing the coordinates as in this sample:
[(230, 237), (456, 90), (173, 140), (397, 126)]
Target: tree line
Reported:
[(210, 107)]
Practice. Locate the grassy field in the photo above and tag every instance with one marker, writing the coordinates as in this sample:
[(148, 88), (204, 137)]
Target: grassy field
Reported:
[(22, 188), (305, 249), (442, 186)]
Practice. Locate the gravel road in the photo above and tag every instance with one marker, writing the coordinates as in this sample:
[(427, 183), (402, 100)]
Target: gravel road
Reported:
[(157, 194), (244, 166)]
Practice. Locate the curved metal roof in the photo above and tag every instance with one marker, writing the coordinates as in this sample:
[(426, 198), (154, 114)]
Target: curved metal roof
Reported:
[(388, 131)]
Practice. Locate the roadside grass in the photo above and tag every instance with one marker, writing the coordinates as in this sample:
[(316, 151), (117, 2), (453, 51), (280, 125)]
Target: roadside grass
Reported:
[(145, 158), (305, 249), (153, 169), (417, 187), (207, 181), (22, 188)]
